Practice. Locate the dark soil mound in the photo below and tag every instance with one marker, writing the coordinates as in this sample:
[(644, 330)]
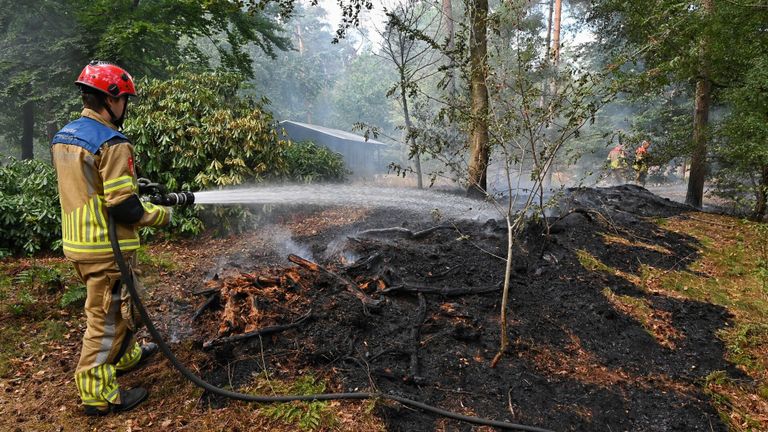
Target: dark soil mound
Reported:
[(580, 359)]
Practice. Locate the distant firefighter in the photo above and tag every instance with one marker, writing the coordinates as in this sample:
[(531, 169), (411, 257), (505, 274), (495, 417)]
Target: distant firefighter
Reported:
[(617, 164), (641, 163)]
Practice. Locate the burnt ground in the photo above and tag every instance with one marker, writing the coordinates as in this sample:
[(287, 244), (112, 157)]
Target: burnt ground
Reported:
[(579, 359)]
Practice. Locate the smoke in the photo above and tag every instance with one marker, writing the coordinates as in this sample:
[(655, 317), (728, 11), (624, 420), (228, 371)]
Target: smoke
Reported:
[(282, 240)]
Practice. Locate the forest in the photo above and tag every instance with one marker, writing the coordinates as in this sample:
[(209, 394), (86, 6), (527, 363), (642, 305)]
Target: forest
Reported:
[(599, 255)]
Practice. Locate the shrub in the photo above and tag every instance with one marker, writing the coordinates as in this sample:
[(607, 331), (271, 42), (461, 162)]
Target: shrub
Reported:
[(30, 217), (193, 132), (307, 162)]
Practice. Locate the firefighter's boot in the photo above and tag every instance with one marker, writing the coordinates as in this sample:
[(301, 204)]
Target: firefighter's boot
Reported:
[(129, 399)]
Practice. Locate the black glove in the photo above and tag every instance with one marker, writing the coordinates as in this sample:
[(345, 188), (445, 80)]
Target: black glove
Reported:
[(146, 187)]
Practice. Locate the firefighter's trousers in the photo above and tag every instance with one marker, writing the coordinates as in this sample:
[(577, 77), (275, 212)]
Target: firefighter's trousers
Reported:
[(109, 343)]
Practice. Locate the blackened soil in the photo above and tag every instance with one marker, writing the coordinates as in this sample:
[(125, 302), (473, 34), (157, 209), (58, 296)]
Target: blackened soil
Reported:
[(576, 361)]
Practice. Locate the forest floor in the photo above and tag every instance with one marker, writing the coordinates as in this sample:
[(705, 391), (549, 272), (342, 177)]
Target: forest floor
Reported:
[(633, 314)]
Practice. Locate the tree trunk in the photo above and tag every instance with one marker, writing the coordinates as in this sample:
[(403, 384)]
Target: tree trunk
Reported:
[(698, 172), (545, 84), (409, 139), (300, 39), (762, 194), (479, 152), (28, 134), (556, 32), (555, 20), (698, 169)]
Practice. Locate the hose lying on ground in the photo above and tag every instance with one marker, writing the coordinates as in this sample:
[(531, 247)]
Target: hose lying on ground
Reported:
[(127, 279)]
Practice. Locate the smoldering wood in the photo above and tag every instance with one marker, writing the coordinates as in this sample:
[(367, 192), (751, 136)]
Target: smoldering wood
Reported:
[(349, 285), (214, 297), (364, 262), (256, 333), (206, 291)]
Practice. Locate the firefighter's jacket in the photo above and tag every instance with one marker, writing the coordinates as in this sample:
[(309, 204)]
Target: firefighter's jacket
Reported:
[(95, 168)]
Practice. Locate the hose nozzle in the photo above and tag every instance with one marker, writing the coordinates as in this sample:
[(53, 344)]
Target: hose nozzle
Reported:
[(173, 199)]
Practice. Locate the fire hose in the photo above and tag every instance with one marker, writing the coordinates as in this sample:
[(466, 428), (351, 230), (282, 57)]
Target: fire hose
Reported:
[(127, 279)]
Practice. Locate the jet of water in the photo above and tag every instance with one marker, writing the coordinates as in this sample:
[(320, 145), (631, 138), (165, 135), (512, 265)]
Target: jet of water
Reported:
[(439, 203)]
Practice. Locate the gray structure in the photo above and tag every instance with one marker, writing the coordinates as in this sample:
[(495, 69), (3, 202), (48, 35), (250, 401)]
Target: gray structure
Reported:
[(360, 156)]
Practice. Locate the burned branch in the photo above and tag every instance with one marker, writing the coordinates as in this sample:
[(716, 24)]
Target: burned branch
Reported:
[(415, 287), (260, 332), (349, 285), (403, 233), (213, 298)]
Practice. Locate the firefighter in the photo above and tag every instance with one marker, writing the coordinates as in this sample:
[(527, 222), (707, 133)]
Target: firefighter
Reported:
[(641, 163), (617, 164), (96, 174)]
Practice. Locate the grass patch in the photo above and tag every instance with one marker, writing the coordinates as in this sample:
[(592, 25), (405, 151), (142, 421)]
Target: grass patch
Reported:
[(656, 323), (10, 340), (731, 271), (726, 395), (614, 239), (744, 342), (21, 339), (591, 262), (161, 260)]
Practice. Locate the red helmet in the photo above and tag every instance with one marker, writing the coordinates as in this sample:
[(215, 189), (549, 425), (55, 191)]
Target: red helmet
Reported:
[(107, 78)]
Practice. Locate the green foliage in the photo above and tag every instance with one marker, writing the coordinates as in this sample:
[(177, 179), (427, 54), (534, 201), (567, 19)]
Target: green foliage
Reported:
[(305, 415), (193, 132), (741, 150), (53, 330), (761, 265), (30, 219), (74, 296), (307, 162), (45, 44), (41, 52), (40, 277), (148, 36), (359, 96), (743, 341), (22, 302)]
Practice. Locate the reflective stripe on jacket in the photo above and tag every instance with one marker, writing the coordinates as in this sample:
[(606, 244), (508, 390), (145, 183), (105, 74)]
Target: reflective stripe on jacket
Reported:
[(95, 170)]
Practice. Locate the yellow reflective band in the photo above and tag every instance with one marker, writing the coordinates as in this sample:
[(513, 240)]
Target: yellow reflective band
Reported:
[(119, 180), (78, 226), (88, 223), (160, 216), (63, 226), (102, 223), (118, 187), (99, 247), (70, 227)]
